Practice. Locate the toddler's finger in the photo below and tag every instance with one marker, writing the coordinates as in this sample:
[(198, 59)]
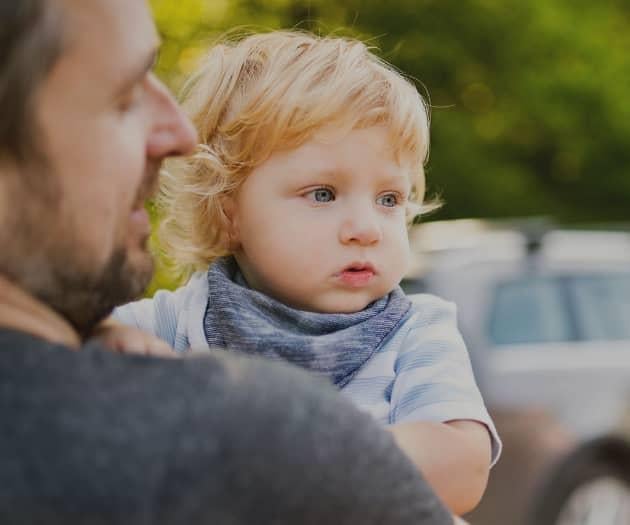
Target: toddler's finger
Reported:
[(159, 348)]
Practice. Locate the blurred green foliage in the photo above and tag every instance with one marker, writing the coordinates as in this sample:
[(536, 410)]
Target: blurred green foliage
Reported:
[(530, 112)]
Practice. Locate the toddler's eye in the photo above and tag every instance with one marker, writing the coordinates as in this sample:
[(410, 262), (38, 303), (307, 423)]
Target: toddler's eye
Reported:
[(321, 195), (388, 200)]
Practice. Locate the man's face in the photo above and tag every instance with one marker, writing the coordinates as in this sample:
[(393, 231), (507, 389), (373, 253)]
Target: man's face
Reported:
[(76, 228)]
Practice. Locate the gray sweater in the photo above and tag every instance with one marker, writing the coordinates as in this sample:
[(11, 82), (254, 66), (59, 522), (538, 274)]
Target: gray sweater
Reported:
[(97, 438)]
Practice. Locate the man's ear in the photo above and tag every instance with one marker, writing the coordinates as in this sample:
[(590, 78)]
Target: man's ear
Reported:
[(231, 224)]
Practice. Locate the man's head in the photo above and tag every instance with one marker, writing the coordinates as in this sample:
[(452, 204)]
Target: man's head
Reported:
[(274, 92), (88, 128)]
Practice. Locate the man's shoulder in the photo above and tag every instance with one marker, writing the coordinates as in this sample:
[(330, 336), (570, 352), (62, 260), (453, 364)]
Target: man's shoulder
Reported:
[(108, 387), (14, 339), (207, 439), (90, 426), (43, 376)]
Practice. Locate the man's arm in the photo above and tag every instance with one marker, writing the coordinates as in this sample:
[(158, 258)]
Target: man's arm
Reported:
[(454, 457)]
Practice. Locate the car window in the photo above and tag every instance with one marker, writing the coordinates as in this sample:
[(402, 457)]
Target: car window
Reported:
[(529, 310), (602, 306)]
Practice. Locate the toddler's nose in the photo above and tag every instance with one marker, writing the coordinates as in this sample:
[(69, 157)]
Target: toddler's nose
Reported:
[(362, 229)]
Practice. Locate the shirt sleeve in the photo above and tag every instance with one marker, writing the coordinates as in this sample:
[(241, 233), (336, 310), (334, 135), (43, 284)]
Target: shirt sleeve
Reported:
[(434, 378), (174, 316)]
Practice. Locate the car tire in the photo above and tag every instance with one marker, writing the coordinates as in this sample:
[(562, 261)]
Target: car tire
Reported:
[(597, 469)]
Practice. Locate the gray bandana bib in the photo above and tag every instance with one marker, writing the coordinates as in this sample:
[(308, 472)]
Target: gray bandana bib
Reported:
[(240, 319)]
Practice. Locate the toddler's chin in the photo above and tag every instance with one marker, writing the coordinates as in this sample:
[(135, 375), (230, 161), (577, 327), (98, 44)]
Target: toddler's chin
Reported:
[(343, 306)]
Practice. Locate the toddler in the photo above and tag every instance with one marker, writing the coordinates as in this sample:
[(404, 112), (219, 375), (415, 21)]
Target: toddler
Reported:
[(293, 214)]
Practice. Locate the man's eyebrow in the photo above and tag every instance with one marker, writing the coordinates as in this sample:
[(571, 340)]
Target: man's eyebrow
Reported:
[(137, 74)]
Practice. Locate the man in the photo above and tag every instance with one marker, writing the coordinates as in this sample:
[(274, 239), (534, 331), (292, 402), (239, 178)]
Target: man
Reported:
[(91, 436)]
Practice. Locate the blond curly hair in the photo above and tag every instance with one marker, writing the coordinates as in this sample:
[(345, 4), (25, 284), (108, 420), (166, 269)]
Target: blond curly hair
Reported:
[(266, 92)]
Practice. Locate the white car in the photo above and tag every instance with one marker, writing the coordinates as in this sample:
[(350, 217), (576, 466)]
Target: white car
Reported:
[(546, 317)]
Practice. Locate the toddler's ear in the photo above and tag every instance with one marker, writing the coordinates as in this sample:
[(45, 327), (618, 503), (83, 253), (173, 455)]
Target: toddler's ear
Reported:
[(230, 220)]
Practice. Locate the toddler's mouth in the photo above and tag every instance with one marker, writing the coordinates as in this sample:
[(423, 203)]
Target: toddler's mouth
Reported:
[(357, 274), (359, 267)]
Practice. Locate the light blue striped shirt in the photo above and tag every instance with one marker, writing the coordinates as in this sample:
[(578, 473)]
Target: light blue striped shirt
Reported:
[(421, 372)]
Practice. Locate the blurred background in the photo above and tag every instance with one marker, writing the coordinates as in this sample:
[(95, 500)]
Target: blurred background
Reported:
[(530, 105), (531, 154)]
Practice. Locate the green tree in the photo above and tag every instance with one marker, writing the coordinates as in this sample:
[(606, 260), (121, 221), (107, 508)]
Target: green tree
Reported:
[(530, 113)]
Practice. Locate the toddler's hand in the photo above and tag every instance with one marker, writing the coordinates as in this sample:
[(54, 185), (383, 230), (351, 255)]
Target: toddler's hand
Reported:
[(129, 340)]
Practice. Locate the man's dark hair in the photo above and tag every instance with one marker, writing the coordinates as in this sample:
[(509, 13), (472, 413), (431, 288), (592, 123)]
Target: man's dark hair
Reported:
[(30, 43)]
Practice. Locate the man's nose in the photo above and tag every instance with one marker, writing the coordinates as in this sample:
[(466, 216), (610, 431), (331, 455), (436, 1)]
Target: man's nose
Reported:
[(361, 227), (172, 133)]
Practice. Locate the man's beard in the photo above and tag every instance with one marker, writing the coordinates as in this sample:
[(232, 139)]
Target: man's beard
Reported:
[(42, 254), (86, 298)]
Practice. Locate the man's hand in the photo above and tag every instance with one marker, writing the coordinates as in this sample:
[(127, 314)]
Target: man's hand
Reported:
[(129, 340)]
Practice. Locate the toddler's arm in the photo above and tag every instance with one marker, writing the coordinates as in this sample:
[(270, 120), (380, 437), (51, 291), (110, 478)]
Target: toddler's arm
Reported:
[(454, 457), (437, 413)]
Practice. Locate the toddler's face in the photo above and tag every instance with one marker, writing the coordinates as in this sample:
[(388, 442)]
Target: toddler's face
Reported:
[(322, 227)]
